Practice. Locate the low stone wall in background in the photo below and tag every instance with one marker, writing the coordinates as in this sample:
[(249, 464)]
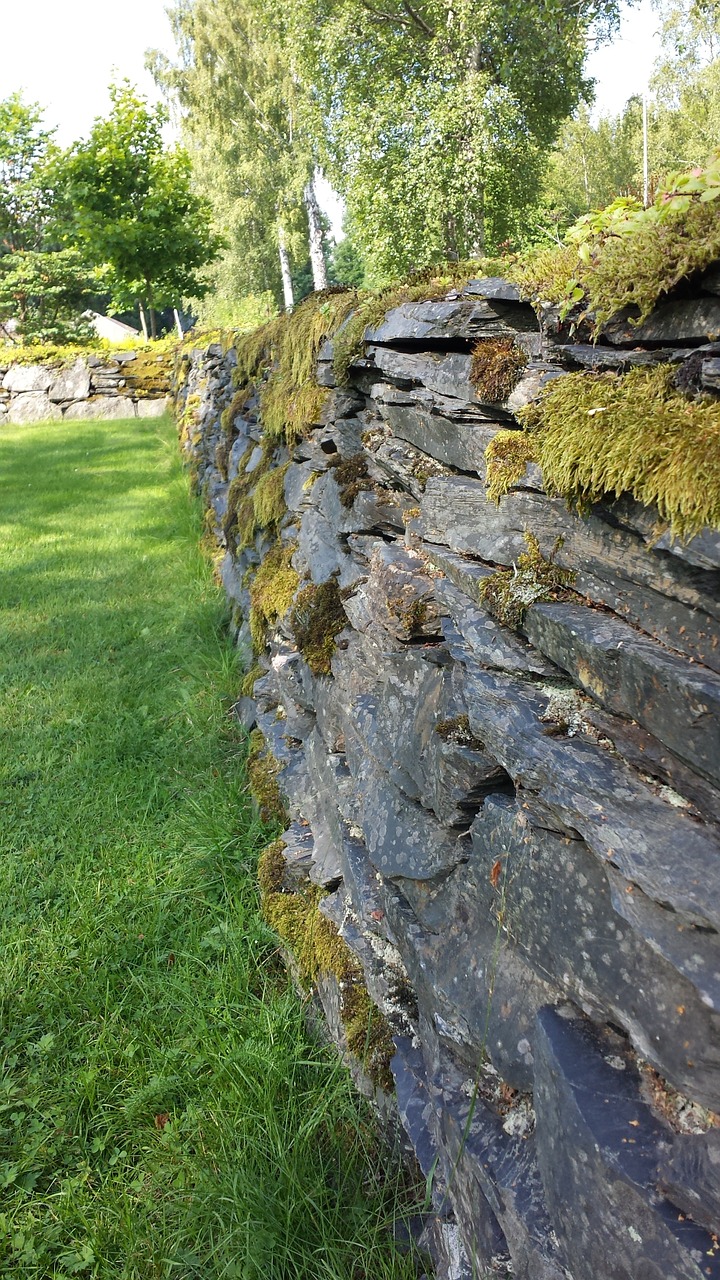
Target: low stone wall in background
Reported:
[(504, 802), (120, 384)]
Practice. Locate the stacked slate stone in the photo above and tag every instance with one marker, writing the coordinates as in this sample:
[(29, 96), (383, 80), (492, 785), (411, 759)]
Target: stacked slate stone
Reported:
[(89, 387), (516, 828)]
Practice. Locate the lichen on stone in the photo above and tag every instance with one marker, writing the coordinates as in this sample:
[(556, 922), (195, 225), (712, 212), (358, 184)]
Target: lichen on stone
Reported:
[(508, 593), (507, 457), (495, 368), (600, 435), (316, 619)]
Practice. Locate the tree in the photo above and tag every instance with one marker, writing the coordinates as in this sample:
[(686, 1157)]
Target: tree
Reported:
[(46, 294), (437, 118), (26, 199), (245, 116), (136, 213)]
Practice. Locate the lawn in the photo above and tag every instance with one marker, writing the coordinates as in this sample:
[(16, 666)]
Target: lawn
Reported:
[(163, 1111)]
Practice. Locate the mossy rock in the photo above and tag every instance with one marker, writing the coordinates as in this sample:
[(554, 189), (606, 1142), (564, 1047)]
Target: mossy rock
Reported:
[(496, 367), (508, 593), (317, 618), (603, 435)]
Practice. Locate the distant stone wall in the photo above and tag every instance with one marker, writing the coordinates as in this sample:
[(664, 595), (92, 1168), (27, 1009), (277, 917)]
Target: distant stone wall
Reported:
[(513, 825), (121, 384)]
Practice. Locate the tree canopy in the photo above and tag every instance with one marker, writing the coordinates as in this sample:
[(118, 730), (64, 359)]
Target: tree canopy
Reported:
[(135, 212)]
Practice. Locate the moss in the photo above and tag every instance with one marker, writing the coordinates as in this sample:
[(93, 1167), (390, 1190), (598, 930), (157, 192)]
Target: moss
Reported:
[(271, 868), (286, 350), (495, 368), (149, 375), (247, 684), (351, 476), (410, 610), (271, 592), (255, 500), (317, 949), (317, 618), (411, 513), (602, 434), (507, 456), (628, 257), (263, 771), (508, 593), (228, 415), (269, 497), (458, 731)]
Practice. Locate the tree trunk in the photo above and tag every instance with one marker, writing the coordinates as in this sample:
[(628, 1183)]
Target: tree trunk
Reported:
[(315, 238), (143, 320), (285, 271), (178, 325)]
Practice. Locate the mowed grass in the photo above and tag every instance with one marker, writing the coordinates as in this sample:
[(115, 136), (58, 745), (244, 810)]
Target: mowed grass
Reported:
[(163, 1111)]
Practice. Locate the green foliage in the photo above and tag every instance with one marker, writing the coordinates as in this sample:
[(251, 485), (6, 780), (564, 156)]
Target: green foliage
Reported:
[(496, 366), (316, 619), (508, 593), (26, 199), (627, 256), (164, 1105), (134, 208), (507, 456), (46, 293), (603, 435), (272, 591)]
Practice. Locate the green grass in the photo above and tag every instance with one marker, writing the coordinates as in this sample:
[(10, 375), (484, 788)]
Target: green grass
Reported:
[(163, 1111)]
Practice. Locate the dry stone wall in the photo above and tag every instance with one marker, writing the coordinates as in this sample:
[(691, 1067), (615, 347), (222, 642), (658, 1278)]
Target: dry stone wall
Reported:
[(514, 829), (119, 384)]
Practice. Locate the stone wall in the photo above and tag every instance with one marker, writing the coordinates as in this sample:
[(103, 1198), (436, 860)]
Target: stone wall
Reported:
[(514, 829), (116, 384)]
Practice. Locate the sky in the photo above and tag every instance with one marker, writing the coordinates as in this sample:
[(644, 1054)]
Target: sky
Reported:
[(64, 53)]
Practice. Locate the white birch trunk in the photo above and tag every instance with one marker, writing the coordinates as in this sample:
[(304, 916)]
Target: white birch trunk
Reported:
[(288, 295), (315, 238)]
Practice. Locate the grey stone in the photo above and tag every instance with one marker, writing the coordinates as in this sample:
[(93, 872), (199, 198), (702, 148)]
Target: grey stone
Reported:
[(27, 377), (448, 321), (449, 375), (598, 1148), (102, 408), (600, 797), (32, 406), (689, 1175), (690, 321), (635, 677), (153, 408), (245, 712), (72, 383), (491, 643), (493, 287), (402, 839)]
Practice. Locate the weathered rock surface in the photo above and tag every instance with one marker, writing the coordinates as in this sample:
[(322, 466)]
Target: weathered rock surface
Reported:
[(32, 406), (518, 829)]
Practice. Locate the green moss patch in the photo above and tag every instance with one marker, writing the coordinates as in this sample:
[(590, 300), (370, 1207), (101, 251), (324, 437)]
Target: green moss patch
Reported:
[(507, 456), (495, 368), (263, 770), (508, 593), (271, 592), (317, 949), (602, 434), (317, 618), (284, 353)]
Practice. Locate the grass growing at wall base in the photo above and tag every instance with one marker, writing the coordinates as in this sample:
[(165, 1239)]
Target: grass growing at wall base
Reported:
[(164, 1113)]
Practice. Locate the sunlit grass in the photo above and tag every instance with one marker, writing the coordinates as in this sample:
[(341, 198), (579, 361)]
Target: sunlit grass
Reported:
[(163, 1112)]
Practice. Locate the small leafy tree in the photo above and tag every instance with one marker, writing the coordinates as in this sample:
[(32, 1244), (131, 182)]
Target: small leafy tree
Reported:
[(46, 293), (135, 211)]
